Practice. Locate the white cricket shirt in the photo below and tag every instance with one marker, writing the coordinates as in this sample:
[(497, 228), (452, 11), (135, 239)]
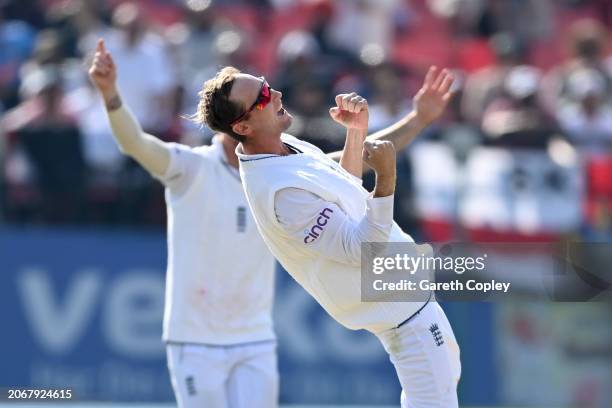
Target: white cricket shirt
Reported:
[(220, 276), (323, 257)]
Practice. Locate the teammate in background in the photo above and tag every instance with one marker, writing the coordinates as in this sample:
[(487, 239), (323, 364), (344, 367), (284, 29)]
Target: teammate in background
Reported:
[(220, 342), (314, 214), (219, 282)]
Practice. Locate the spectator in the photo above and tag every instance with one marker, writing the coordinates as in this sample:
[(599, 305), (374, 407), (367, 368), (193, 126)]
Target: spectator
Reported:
[(465, 17), (83, 22), (46, 131), (16, 45), (389, 103), (486, 84), (195, 54), (359, 23), (587, 43), (146, 74), (49, 52), (311, 117), (515, 118), (27, 11), (586, 114), (527, 19), (300, 59)]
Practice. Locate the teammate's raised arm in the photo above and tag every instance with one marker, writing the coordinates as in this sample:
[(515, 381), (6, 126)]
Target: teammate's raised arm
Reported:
[(152, 153), (429, 104)]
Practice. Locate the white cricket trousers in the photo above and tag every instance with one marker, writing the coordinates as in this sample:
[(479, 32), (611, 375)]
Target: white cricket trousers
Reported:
[(236, 376), (425, 354)]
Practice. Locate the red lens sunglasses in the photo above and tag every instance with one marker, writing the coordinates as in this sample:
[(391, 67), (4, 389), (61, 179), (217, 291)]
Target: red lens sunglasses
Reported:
[(263, 99)]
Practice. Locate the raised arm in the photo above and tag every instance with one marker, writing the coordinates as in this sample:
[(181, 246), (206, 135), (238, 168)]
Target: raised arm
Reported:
[(338, 236), (351, 111), (429, 104), (152, 153)]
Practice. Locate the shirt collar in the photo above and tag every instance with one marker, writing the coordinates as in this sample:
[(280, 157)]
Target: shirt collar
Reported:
[(217, 145), (242, 157)]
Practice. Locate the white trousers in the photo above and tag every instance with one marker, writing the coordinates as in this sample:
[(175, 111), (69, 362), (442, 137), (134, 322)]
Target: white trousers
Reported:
[(236, 376), (425, 354)]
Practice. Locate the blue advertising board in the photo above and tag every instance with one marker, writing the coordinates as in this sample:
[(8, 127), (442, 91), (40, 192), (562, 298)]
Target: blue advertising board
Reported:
[(83, 308)]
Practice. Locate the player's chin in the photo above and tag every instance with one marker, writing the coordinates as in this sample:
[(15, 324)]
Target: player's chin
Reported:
[(285, 120)]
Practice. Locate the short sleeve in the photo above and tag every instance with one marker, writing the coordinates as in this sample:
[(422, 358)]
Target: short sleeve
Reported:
[(182, 168)]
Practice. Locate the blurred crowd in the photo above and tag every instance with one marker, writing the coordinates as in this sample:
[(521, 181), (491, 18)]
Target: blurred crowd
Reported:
[(524, 150)]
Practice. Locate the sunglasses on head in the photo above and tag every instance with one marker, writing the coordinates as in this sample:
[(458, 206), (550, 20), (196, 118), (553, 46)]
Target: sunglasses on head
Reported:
[(263, 99)]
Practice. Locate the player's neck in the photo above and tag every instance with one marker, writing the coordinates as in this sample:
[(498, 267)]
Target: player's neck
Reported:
[(265, 146), (229, 148)]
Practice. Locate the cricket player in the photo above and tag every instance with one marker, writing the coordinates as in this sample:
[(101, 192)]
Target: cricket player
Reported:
[(314, 213), (219, 282), (220, 342)]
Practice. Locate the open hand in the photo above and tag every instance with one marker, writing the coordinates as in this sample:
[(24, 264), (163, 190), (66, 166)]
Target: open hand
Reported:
[(351, 111), (434, 95)]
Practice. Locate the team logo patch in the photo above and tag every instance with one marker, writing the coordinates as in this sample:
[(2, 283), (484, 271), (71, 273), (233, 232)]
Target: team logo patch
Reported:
[(191, 389), (241, 219), (315, 231), (437, 334)]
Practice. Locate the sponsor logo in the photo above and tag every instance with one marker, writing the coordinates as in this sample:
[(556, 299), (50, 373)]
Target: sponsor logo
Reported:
[(313, 233)]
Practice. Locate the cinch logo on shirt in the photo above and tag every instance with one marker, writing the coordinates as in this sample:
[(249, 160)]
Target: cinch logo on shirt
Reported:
[(313, 233)]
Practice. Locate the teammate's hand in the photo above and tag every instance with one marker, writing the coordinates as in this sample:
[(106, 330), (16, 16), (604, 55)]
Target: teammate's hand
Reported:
[(103, 72), (380, 156), (433, 97), (351, 111)]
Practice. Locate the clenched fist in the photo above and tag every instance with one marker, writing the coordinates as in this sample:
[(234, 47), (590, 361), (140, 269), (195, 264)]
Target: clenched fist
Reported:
[(103, 72), (351, 111), (380, 156)]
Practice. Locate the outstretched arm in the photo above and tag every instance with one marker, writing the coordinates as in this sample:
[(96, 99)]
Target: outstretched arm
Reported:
[(152, 153), (429, 104)]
